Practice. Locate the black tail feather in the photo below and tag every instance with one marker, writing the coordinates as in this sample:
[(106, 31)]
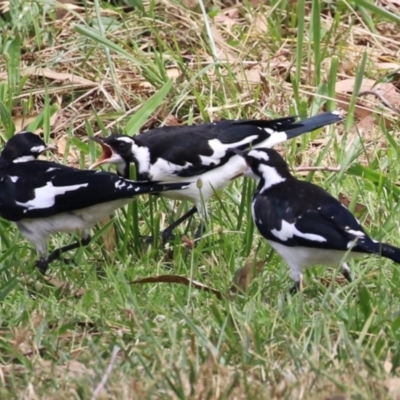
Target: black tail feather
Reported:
[(389, 251), (313, 123), (367, 245), (277, 124), (142, 187)]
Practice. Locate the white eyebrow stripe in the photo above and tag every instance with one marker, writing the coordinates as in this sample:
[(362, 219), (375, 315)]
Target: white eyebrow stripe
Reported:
[(125, 139)]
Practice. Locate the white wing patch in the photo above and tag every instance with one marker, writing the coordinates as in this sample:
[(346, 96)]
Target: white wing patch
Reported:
[(45, 196), (220, 149), (120, 184), (275, 138), (289, 230), (24, 159), (353, 232), (209, 160), (163, 169), (38, 149)]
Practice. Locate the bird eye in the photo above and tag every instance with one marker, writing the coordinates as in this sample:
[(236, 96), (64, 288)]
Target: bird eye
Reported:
[(121, 145)]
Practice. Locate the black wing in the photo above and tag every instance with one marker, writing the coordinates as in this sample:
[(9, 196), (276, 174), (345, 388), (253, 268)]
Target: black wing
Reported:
[(41, 189), (194, 150), (302, 214), (228, 132), (200, 148)]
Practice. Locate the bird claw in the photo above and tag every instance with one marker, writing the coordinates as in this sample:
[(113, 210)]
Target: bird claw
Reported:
[(167, 236), (42, 265), (199, 232), (147, 239)]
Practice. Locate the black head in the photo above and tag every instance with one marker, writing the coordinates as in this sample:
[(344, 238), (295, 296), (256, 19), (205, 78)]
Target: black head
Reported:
[(122, 150), (117, 149), (25, 146), (265, 164)]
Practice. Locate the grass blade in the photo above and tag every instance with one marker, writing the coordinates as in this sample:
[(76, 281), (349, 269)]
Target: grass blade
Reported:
[(379, 11), (96, 36), (148, 108), (356, 90), (7, 121), (331, 103), (299, 51), (315, 35), (7, 288)]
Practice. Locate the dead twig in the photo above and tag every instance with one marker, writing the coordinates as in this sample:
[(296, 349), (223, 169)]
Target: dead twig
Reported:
[(310, 169), (107, 373), (381, 98)]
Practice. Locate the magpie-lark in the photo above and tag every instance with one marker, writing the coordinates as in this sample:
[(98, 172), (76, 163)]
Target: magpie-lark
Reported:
[(302, 222), (44, 197), (200, 152)]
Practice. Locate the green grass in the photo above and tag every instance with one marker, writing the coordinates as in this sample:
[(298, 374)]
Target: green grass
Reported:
[(157, 65)]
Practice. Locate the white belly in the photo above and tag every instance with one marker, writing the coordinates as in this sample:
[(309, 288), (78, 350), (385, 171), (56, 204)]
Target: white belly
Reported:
[(301, 257), (216, 179), (38, 230)]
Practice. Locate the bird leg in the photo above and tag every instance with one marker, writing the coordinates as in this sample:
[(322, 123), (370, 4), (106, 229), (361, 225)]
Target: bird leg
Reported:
[(199, 231), (43, 263), (296, 275), (167, 233), (346, 272), (147, 239)]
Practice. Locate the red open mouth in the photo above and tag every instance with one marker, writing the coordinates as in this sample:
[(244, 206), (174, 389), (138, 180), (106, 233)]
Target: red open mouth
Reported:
[(107, 153)]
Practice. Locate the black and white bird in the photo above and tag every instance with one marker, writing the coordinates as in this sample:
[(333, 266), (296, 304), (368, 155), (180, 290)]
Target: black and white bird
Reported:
[(200, 153), (304, 223), (44, 197)]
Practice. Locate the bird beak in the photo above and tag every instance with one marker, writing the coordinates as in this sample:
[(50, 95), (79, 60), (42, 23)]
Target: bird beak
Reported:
[(50, 147), (240, 153), (247, 171), (107, 154)]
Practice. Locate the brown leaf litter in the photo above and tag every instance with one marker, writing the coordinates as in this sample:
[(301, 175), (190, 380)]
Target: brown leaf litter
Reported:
[(383, 100)]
